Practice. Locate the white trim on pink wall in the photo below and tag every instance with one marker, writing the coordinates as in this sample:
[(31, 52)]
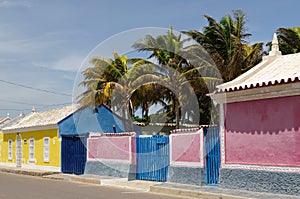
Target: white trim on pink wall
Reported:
[(187, 164), (130, 149), (87, 148), (222, 134), (170, 148), (202, 152), (108, 160), (201, 148), (129, 161), (262, 168)]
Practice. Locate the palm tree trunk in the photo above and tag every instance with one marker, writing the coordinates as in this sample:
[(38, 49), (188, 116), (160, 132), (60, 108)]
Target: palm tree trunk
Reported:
[(129, 116), (176, 113), (128, 126), (147, 114)]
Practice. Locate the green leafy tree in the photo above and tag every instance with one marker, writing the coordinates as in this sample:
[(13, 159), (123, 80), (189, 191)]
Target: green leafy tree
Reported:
[(170, 50), (146, 96), (106, 76), (119, 82), (226, 42)]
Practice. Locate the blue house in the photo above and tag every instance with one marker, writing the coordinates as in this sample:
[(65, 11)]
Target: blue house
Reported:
[(74, 131)]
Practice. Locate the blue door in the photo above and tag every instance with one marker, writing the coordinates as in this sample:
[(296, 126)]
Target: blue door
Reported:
[(153, 158), (212, 149), (73, 154)]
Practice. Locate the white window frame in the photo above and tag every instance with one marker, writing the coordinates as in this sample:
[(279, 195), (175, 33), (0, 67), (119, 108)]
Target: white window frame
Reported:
[(10, 152), (46, 149), (19, 152), (31, 150)]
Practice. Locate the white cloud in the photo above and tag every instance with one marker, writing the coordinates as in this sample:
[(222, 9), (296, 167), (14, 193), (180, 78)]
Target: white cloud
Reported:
[(69, 63), (35, 50), (25, 46), (12, 3), (7, 60)]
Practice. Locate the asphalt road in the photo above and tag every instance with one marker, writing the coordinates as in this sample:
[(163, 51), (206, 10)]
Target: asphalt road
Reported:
[(15, 186)]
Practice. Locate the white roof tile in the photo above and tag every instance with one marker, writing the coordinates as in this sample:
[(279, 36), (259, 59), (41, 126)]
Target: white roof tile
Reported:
[(9, 122), (273, 70), (40, 119)]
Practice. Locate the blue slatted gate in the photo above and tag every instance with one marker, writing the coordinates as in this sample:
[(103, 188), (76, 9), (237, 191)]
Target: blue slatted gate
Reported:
[(153, 158), (212, 149), (73, 154)]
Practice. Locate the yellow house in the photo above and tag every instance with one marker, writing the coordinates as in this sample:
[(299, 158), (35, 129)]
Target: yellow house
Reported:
[(33, 142), (1, 143), (3, 122)]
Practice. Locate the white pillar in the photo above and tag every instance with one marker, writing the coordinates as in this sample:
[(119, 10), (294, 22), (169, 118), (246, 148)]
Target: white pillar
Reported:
[(222, 133)]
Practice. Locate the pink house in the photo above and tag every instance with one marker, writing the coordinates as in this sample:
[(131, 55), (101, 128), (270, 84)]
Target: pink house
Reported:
[(260, 126)]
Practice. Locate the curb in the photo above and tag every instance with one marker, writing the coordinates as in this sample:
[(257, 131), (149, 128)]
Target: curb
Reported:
[(121, 183), (113, 181), (30, 173), (58, 176), (126, 187), (86, 180), (55, 178), (190, 193)]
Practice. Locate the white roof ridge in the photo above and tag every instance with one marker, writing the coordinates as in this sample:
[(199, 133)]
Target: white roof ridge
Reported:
[(272, 70), (45, 118), (240, 79)]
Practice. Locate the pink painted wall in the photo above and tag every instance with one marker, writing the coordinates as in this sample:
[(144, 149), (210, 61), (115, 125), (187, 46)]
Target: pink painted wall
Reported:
[(185, 147), (263, 132), (116, 148)]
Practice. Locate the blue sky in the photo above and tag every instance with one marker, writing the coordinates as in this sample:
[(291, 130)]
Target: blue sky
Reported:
[(43, 43)]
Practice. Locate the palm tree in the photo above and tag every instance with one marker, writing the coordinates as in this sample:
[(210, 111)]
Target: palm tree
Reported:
[(165, 48), (253, 55), (226, 43), (119, 82), (146, 96), (288, 39), (170, 51), (106, 76), (99, 77)]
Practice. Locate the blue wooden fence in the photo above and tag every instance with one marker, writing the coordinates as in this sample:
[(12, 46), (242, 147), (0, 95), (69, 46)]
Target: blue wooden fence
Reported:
[(212, 149), (153, 158), (73, 154)]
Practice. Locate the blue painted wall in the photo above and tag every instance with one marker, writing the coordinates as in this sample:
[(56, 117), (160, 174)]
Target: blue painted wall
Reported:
[(87, 120)]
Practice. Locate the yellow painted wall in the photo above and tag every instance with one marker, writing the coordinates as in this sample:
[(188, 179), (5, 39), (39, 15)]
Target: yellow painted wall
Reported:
[(1, 145), (54, 145)]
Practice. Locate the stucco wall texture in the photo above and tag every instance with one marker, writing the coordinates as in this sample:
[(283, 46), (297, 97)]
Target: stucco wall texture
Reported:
[(263, 132), (109, 148), (261, 181), (54, 147), (185, 147), (112, 156)]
